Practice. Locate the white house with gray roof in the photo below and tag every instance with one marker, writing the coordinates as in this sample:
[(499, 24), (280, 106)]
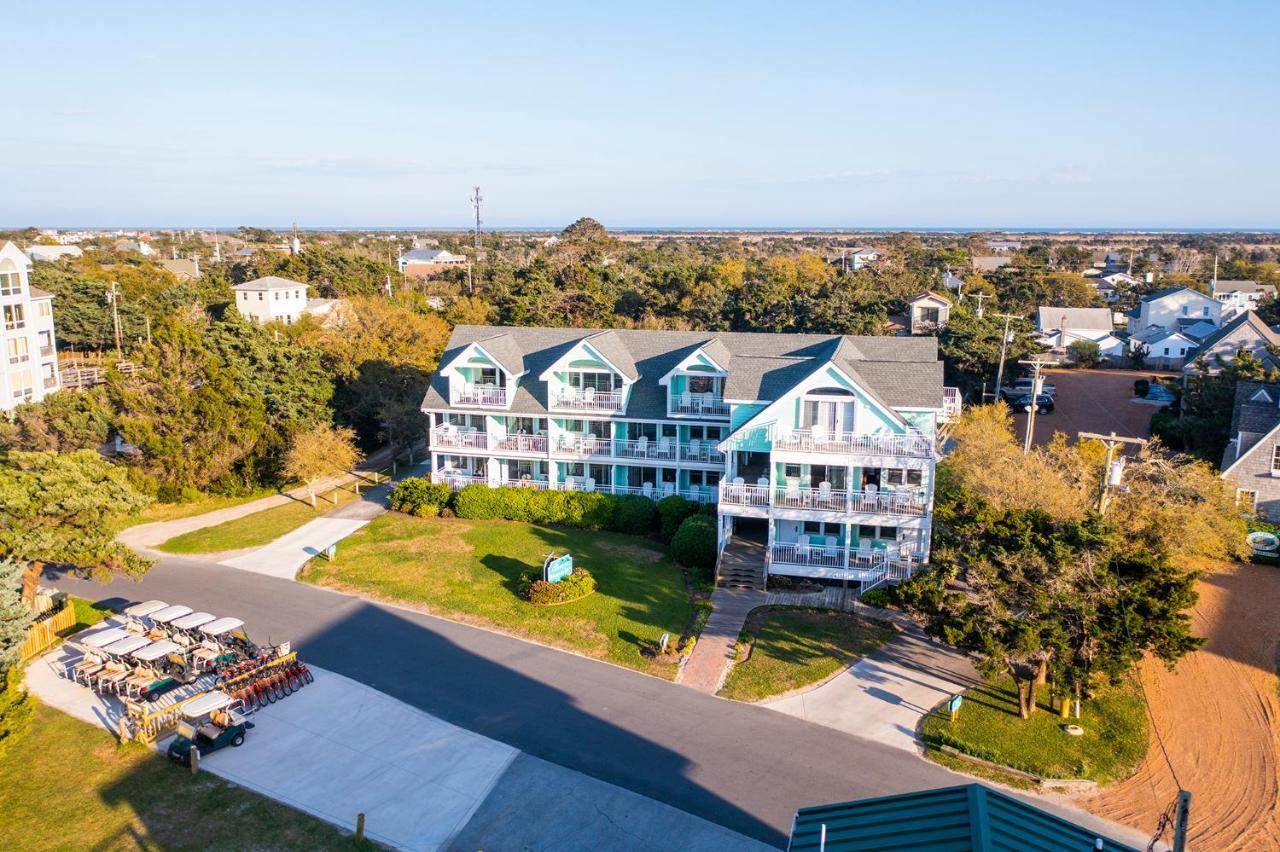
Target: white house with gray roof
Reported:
[(29, 370), (1241, 295), (276, 299), (817, 450)]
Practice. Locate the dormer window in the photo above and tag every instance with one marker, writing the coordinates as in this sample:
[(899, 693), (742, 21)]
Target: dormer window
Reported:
[(695, 386)]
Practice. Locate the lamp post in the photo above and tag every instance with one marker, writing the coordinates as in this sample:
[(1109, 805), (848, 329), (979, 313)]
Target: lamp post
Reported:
[(1036, 364)]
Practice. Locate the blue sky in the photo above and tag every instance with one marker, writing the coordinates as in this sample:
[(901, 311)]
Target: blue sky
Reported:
[(1119, 114)]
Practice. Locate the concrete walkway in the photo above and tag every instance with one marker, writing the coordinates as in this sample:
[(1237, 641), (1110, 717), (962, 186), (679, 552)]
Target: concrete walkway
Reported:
[(339, 748), (708, 665), (883, 696)]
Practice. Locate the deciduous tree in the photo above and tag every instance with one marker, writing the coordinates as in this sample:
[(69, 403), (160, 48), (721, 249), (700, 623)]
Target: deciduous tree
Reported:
[(320, 452)]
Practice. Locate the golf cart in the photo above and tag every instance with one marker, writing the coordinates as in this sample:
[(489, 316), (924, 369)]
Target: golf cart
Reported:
[(138, 616), (162, 667), (209, 723)]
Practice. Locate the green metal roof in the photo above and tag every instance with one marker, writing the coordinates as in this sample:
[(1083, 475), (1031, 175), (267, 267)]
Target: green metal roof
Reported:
[(969, 818)]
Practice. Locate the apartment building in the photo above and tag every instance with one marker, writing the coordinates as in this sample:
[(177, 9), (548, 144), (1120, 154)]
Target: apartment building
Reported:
[(27, 338), (819, 450)]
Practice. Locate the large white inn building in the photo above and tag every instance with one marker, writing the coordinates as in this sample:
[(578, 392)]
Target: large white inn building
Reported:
[(30, 365), (820, 448)]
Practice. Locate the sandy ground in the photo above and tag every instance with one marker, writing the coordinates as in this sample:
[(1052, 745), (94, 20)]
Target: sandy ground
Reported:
[(1219, 715), (1092, 401)]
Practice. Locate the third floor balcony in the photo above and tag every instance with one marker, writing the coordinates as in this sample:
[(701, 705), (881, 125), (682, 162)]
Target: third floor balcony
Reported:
[(486, 395), (587, 399), (816, 440)]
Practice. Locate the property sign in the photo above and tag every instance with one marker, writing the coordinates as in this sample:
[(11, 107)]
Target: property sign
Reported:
[(954, 705), (556, 568)]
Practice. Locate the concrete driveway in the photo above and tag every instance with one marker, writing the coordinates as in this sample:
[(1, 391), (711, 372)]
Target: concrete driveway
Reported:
[(883, 696), (285, 556)]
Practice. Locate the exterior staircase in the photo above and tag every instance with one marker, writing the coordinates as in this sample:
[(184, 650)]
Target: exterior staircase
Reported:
[(742, 564)]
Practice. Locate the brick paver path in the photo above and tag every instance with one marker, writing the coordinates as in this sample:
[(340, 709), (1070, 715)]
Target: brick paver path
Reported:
[(713, 655)]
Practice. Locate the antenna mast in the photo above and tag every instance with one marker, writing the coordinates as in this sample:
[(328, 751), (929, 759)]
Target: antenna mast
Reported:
[(475, 202)]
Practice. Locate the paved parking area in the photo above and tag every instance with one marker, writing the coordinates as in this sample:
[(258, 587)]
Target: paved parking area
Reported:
[(1093, 401)]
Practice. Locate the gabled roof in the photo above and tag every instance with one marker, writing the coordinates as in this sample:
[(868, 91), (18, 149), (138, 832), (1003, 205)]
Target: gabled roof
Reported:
[(269, 282), (609, 346), (37, 293), (905, 372), (1169, 291), (428, 256), (1244, 324), (928, 295), (1241, 286), (503, 349), (967, 818), (1049, 318)]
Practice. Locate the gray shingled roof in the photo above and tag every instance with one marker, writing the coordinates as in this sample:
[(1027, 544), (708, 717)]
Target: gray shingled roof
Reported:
[(904, 372), (270, 282), (1242, 286), (1244, 318), (505, 351), (1252, 420), (1051, 318), (608, 345)]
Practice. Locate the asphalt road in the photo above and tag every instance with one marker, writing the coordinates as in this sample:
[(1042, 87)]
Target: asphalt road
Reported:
[(745, 767)]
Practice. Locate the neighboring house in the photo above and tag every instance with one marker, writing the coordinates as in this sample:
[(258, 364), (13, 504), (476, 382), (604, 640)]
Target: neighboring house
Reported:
[(1174, 309), (928, 312), (1060, 327), (863, 256), (1004, 245), (1252, 457), (969, 817), (1241, 295), (952, 282), (990, 263), (30, 364), (821, 446), (182, 268), (1163, 348), (1245, 331), (276, 299), (38, 252), (425, 263), (135, 246)]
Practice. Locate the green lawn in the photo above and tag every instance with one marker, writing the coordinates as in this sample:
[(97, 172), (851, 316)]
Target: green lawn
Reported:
[(1113, 744), (468, 570), (68, 785), (253, 530), (797, 647)]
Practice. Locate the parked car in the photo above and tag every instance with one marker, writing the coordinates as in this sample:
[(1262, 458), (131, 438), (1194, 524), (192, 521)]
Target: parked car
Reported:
[(1044, 403), (1022, 387)]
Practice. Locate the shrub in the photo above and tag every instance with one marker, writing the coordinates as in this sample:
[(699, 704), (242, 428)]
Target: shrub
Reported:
[(15, 707), (633, 514), (694, 544), (877, 597), (1086, 353), (582, 509), (671, 513), (539, 592), (419, 496), (1141, 387)]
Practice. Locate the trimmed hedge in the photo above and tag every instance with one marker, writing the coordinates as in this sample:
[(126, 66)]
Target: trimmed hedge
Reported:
[(419, 496), (539, 592), (694, 544), (672, 511), (877, 597), (583, 509)]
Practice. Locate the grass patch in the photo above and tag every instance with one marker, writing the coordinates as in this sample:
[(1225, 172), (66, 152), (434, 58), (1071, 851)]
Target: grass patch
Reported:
[(205, 503), (1113, 744), (470, 571), (795, 647), (66, 784), (88, 614), (253, 530)]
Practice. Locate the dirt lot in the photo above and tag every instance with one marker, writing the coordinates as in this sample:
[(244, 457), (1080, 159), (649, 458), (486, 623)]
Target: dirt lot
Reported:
[(1219, 717), (1093, 401)]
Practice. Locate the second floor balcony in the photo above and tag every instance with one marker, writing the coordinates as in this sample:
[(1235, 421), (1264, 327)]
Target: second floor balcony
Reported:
[(485, 395), (817, 440), (906, 502), (456, 437), (951, 405)]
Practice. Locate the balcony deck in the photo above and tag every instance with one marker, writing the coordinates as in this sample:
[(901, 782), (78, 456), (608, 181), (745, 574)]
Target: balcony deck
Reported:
[(698, 495), (587, 400), (697, 405), (848, 443), (907, 503), (483, 396)]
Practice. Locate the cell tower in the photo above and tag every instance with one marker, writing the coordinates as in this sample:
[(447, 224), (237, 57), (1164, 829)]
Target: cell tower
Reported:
[(475, 203)]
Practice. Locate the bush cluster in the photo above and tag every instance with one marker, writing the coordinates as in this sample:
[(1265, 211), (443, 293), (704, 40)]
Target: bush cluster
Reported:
[(421, 497), (694, 544), (877, 597), (672, 511), (582, 509), (539, 592)]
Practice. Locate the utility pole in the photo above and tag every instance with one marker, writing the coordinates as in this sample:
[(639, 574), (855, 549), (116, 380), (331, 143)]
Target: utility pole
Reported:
[(980, 297), (1181, 817), (1004, 346), (148, 329), (475, 202), (1036, 364), (113, 299), (1112, 468)]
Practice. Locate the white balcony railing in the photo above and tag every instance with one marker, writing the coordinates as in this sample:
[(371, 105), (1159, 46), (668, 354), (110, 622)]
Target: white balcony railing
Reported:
[(583, 445), (792, 553), (588, 399), (909, 503), (449, 436), (847, 443), (702, 452), (523, 443), (950, 405), (540, 484), (704, 404), (645, 448), (459, 478), (477, 395)]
